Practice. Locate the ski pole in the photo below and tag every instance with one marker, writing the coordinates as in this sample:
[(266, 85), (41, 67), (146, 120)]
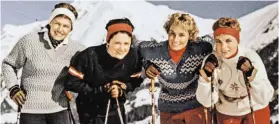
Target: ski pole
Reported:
[(108, 106), (153, 100), (18, 114), (119, 111), (212, 102), (248, 86)]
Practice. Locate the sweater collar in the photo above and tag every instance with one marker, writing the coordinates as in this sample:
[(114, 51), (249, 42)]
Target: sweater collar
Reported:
[(46, 37), (234, 59)]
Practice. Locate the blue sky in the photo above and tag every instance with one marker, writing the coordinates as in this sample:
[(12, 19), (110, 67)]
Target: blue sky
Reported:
[(24, 12)]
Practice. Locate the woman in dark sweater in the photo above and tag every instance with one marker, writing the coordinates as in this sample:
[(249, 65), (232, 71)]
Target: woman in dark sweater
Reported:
[(105, 73)]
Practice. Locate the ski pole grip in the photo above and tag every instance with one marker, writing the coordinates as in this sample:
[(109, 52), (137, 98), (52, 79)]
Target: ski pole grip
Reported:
[(69, 95)]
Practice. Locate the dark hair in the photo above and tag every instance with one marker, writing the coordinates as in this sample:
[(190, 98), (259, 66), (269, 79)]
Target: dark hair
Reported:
[(116, 21), (115, 33), (68, 6)]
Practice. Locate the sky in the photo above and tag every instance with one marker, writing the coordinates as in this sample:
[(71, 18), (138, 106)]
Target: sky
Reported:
[(25, 12)]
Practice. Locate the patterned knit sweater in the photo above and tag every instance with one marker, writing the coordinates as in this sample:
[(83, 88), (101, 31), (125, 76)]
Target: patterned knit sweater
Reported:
[(178, 81), (41, 65)]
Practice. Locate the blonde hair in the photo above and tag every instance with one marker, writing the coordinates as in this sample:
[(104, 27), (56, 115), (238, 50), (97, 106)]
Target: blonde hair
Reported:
[(185, 21), (226, 22)]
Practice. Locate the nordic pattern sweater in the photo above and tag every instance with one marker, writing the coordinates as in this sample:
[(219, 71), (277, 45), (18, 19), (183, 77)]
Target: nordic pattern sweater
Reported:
[(178, 81), (41, 65)]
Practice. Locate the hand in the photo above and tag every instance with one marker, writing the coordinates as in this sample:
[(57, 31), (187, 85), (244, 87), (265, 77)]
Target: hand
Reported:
[(115, 91), (18, 95), (120, 84), (211, 63), (245, 65), (152, 71)]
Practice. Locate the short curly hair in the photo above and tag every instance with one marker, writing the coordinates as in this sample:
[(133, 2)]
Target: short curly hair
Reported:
[(226, 22), (185, 21)]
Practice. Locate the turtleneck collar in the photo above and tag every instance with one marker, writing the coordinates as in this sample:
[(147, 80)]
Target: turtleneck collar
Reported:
[(176, 55)]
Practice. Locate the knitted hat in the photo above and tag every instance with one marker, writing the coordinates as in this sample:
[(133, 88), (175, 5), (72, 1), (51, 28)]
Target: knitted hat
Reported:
[(63, 11), (228, 26), (116, 25)]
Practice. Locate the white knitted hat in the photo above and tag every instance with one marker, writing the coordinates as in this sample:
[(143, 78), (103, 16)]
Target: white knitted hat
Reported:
[(63, 11)]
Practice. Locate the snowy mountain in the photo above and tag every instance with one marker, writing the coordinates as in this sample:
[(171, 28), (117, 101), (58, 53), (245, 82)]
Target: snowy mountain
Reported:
[(259, 32)]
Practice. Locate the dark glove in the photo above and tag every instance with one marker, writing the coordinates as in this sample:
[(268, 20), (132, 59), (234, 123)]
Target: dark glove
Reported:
[(210, 64), (152, 71), (245, 65), (18, 95)]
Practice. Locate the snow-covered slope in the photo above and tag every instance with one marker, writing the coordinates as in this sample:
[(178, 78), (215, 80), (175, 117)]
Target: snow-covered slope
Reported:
[(260, 28)]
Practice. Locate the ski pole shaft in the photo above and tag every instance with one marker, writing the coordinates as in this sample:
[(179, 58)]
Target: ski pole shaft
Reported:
[(108, 106), (119, 111), (18, 114), (153, 100), (248, 86)]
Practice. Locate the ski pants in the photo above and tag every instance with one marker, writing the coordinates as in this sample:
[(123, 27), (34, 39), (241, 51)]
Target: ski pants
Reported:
[(262, 116)]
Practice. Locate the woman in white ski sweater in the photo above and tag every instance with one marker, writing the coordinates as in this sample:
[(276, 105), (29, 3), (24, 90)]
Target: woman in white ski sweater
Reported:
[(42, 55), (227, 70)]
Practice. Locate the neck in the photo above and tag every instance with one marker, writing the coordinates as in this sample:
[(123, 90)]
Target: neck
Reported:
[(176, 54), (233, 54)]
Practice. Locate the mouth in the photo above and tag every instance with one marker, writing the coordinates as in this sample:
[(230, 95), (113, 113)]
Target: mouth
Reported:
[(58, 34), (175, 44), (225, 52)]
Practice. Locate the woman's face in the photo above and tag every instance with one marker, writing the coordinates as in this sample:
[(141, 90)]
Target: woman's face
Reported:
[(226, 45), (119, 45), (178, 37), (60, 28)]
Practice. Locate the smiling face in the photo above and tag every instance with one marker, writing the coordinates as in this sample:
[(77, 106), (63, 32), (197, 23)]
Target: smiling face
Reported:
[(60, 28), (178, 37), (226, 45), (119, 45)]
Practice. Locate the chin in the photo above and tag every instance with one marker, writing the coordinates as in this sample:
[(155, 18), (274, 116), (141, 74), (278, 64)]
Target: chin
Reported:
[(227, 56), (176, 48), (59, 38)]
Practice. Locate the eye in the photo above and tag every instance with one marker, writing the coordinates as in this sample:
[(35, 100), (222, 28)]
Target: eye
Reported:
[(171, 33), (66, 26), (127, 43), (217, 41), (182, 34), (228, 40)]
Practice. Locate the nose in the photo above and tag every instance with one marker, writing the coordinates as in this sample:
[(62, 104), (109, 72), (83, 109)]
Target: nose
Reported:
[(60, 29), (176, 39), (122, 48), (224, 46)]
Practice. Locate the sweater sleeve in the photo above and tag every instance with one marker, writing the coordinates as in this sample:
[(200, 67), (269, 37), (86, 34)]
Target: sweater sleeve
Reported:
[(262, 90), (76, 80), (13, 62), (204, 92)]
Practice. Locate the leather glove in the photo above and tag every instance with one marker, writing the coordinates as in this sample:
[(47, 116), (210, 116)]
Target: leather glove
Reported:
[(152, 71), (245, 65), (210, 64), (18, 95)]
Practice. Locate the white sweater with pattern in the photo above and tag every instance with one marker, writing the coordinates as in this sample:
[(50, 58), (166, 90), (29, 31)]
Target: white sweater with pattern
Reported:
[(41, 66), (229, 84)]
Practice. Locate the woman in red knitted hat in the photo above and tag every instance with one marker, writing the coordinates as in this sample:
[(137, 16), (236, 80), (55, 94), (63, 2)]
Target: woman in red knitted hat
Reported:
[(241, 90), (102, 75)]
